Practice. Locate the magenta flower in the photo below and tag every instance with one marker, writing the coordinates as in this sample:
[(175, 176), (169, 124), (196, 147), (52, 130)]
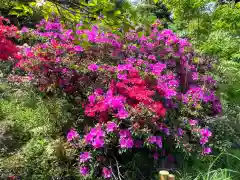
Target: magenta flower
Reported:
[(122, 76), (152, 57), (91, 98), (123, 67), (203, 140), (72, 134), (78, 48), (180, 132), (207, 150), (166, 131), (193, 122), (24, 30), (111, 126), (116, 102), (206, 133), (106, 173), (98, 142), (88, 138), (84, 170), (152, 139), (158, 68), (85, 156), (159, 141), (195, 76), (97, 131), (124, 133), (122, 113), (126, 142), (93, 67)]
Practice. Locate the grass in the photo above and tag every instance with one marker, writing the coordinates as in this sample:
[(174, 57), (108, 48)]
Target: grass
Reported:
[(218, 173)]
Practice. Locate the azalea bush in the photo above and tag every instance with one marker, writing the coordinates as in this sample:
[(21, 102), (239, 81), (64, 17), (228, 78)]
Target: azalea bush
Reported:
[(7, 49), (138, 90)]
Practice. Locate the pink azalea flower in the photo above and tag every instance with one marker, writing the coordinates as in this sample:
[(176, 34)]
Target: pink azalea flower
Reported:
[(78, 48), (106, 173), (206, 133), (85, 156), (152, 139), (98, 143), (84, 170), (126, 142), (152, 57), (116, 102), (72, 134), (122, 114), (122, 76), (195, 76), (111, 126), (193, 122), (88, 138), (180, 132), (97, 131), (207, 150), (91, 98), (203, 140), (93, 67), (159, 141), (124, 133)]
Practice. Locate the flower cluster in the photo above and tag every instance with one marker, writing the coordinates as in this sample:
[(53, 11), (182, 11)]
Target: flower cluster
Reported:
[(7, 48), (140, 88)]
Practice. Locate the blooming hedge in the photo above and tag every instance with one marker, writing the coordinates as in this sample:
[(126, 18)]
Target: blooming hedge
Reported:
[(138, 90)]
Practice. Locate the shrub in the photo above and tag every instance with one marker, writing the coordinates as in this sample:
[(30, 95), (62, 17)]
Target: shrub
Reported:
[(7, 49), (144, 91)]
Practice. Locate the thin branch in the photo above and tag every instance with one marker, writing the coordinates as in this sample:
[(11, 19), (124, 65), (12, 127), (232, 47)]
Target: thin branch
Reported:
[(119, 173), (113, 172)]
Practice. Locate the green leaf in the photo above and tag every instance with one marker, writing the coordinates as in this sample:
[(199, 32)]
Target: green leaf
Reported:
[(237, 5), (155, 1), (12, 12), (118, 12), (18, 7)]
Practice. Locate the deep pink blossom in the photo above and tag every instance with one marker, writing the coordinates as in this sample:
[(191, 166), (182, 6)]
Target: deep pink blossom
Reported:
[(193, 122), (203, 140), (84, 157), (124, 133), (207, 150), (111, 126), (152, 139), (91, 98), (84, 171), (98, 142), (159, 141), (126, 142), (93, 67), (206, 133), (106, 173), (152, 57), (78, 48), (72, 134), (122, 113)]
